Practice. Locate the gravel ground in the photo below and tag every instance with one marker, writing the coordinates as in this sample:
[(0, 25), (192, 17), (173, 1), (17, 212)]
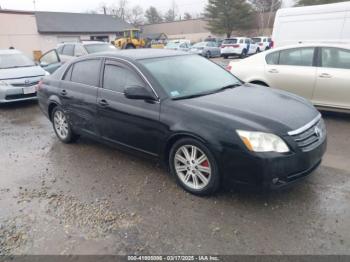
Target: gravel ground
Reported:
[(88, 198)]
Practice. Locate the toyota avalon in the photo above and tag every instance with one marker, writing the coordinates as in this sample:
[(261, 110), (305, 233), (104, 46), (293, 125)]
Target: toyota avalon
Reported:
[(201, 121)]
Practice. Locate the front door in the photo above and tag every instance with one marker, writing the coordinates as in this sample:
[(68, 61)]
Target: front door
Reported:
[(292, 70), (50, 61), (128, 122), (333, 78)]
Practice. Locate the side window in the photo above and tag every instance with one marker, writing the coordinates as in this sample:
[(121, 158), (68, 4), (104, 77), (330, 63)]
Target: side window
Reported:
[(272, 59), (86, 72), (117, 78), (183, 46), (335, 58), (60, 49), (68, 74), (297, 57), (241, 41), (68, 50), (247, 41)]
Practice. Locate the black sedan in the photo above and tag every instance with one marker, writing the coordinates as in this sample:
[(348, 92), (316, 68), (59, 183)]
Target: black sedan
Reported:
[(197, 118)]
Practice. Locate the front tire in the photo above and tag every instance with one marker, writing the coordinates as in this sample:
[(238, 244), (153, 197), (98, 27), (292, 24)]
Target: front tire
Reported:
[(62, 126), (208, 55), (194, 167)]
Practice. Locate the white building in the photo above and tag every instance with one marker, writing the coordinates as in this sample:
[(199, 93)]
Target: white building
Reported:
[(42, 31)]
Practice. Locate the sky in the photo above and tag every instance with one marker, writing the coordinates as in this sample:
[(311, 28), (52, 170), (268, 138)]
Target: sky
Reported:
[(191, 6)]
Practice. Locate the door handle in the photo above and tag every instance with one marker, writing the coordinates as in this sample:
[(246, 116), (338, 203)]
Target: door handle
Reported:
[(325, 75), (103, 103), (63, 92), (273, 71)]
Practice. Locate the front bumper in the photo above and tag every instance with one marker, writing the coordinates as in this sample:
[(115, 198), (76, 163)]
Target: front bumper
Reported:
[(270, 170), (14, 94)]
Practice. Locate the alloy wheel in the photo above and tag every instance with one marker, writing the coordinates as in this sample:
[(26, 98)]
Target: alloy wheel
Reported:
[(61, 125), (192, 166)]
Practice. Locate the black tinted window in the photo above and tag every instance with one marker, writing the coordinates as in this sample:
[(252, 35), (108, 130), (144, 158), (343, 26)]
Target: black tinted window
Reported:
[(86, 72), (272, 59), (68, 50), (297, 57), (117, 78), (335, 58)]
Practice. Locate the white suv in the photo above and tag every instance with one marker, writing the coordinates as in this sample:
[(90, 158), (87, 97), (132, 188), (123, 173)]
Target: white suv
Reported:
[(264, 42), (238, 46)]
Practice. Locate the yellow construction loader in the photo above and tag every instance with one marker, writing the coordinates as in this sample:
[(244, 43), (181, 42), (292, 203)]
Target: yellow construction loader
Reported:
[(131, 39)]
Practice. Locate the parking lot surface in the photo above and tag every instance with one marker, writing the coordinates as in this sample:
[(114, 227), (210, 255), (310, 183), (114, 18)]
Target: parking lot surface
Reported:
[(87, 198)]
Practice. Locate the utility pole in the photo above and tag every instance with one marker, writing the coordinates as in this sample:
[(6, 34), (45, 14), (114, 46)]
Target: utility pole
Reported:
[(34, 4)]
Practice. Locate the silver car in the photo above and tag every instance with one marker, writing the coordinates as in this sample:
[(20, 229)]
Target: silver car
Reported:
[(207, 49), (19, 76), (65, 52)]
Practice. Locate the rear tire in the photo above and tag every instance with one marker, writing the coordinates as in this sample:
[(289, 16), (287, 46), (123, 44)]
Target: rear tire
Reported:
[(208, 55), (62, 126), (225, 56), (196, 171)]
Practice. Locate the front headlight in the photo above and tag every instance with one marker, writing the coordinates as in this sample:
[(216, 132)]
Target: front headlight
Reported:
[(3, 84), (263, 142)]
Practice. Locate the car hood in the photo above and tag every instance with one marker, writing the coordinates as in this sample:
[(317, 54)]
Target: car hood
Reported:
[(21, 72), (255, 108)]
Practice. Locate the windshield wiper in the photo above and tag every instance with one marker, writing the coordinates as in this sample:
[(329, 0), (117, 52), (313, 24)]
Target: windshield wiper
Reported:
[(207, 93), (11, 67), (193, 96), (227, 87)]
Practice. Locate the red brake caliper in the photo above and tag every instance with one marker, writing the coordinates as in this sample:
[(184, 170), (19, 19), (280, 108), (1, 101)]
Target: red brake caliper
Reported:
[(205, 164)]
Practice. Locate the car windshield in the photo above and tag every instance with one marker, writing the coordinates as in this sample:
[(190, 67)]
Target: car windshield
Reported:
[(229, 41), (15, 60), (257, 40), (189, 75), (202, 44), (96, 48)]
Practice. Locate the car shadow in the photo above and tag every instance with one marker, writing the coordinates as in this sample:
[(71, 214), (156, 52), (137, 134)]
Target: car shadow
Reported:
[(18, 105)]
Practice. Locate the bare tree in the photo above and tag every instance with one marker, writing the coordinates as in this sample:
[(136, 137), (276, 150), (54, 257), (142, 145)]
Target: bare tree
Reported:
[(263, 7), (136, 16), (187, 16)]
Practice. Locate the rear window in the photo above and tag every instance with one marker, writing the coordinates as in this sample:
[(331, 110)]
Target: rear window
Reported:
[(86, 72), (257, 40), (229, 41)]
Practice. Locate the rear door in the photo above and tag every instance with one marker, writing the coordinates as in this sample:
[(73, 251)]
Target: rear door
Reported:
[(79, 94), (333, 78), (127, 122), (292, 70)]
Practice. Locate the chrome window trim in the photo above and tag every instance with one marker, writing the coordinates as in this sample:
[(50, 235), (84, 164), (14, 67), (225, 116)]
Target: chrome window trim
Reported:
[(306, 127), (139, 71)]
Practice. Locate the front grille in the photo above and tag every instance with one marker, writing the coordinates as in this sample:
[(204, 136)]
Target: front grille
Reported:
[(311, 137), (20, 96), (25, 84)]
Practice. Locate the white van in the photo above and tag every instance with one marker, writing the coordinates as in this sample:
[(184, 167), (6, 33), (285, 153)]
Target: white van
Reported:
[(312, 24)]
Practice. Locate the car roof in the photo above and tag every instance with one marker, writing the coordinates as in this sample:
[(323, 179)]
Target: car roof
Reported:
[(9, 52), (82, 43), (140, 54), (337, 45)]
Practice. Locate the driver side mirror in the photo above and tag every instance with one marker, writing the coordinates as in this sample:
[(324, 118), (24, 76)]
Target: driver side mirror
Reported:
[(138, 93)]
